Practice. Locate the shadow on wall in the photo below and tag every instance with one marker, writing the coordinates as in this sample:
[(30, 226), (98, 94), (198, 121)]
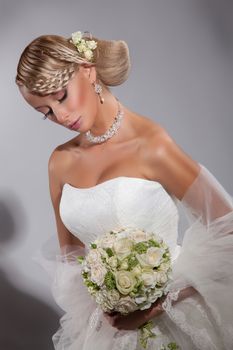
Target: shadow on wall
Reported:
[(26, 322)]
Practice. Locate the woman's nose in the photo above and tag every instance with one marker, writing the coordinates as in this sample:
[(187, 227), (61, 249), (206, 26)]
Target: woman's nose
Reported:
[(60, 113)]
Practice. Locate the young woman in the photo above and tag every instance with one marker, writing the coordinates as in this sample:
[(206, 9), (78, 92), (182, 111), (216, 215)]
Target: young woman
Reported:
[(125, 169)]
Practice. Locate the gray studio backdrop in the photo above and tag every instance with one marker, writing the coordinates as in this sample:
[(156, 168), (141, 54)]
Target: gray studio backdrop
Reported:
[(182, 77)]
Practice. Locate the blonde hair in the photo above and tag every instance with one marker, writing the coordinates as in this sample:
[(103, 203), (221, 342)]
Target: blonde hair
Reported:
[(49, 61)]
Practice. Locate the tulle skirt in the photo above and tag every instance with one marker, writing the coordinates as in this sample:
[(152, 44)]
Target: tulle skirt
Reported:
[(202, 321)]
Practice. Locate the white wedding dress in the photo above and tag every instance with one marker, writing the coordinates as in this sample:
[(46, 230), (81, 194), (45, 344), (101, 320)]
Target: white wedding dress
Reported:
[(205, 261)]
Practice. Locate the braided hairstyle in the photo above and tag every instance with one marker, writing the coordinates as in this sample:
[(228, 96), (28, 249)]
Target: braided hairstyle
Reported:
[(48, 63)]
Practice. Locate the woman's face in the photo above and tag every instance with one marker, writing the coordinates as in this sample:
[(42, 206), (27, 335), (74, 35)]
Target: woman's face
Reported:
[(76, 101)]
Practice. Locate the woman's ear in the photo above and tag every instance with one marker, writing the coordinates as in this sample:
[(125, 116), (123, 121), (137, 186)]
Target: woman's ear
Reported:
[(89, 72)]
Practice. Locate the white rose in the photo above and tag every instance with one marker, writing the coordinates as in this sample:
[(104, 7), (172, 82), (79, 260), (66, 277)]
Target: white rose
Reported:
[(124, 265), (137, 270), (93, 257), (125, 281), (88, 54), (112, 261), (151, 258), (140, 300), (113, 296), (122, 247), (107, 241), (160, 277), (154, 295), (91, 44), (82, 47), (98, 272), (165, 266), (76, 37), (148, 278), (139, 236), (126, 305), (107, 299)]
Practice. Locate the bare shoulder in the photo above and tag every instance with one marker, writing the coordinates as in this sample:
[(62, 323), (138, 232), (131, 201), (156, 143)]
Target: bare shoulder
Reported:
[(60, 161), (170, 165)]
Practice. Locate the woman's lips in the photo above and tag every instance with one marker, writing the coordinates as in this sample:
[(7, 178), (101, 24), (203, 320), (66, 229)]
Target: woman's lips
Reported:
[(76, 125)]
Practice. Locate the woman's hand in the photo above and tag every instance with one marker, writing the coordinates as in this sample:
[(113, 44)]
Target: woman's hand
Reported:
[(134, 319)]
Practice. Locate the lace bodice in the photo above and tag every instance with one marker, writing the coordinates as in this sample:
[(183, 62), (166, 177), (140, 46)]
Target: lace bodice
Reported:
[(117, 202)]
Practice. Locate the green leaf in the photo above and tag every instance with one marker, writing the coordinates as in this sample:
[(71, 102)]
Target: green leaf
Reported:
[(109, 280), (80, 259), (109, 252), (140, 248)]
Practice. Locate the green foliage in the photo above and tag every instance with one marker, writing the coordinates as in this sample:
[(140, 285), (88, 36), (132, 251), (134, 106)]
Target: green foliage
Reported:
[(140, 247), (132, 261), (146, 333), (110, 280), (93, 246), (153, 243), (91, 284), (109, 252), (80, 259), (170, 346), (85, 274)]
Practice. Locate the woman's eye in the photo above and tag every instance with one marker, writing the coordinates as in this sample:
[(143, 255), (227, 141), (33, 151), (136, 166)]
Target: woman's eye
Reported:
[(50, 111), (64, 96)]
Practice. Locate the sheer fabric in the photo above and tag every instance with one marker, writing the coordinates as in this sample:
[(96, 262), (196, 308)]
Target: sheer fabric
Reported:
[(205, 263), (202, 321)]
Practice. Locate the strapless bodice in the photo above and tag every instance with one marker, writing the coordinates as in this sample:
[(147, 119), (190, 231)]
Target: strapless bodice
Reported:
[(119, 202)]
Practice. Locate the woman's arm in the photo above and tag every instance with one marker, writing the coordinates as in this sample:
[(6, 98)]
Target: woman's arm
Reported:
[(56, 168)]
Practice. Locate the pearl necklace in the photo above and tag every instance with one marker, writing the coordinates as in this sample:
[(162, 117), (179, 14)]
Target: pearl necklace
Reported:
[(110, 132)]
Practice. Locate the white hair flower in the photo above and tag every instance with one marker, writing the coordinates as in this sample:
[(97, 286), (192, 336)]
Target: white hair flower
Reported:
[(83, 46)]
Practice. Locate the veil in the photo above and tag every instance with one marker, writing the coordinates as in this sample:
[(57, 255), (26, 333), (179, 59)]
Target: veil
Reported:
[(205, 263)]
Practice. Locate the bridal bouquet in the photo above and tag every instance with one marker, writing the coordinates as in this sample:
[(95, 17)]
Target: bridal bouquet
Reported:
[(127, 270)]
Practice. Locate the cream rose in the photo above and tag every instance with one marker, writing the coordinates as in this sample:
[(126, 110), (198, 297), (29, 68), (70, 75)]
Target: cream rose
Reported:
[(160, 277), (107, 241), (122, 247), (139, 236), (151, 258), (88, 54), (98, 272), (91, 44), (93, 257), (113, 296), (125, 281), (157, 293), (124, 265), (112, 261), (126, 305), (76, 37), (164, 266), (148, 278), (137, 270)]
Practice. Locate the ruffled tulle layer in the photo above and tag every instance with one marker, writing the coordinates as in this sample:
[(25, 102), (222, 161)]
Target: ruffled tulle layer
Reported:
[(201, 321)]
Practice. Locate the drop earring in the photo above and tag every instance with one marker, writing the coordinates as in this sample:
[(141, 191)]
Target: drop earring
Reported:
[(98, 89)]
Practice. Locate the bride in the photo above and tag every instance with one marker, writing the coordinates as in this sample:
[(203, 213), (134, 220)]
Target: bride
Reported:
[(125, 169)]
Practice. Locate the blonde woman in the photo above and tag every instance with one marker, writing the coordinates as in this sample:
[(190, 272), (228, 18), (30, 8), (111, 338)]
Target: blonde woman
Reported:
[(124, 168)]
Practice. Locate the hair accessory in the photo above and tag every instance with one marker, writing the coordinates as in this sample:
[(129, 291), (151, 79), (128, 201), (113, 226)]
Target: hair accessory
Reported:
[(84, 46), (111, 131)]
